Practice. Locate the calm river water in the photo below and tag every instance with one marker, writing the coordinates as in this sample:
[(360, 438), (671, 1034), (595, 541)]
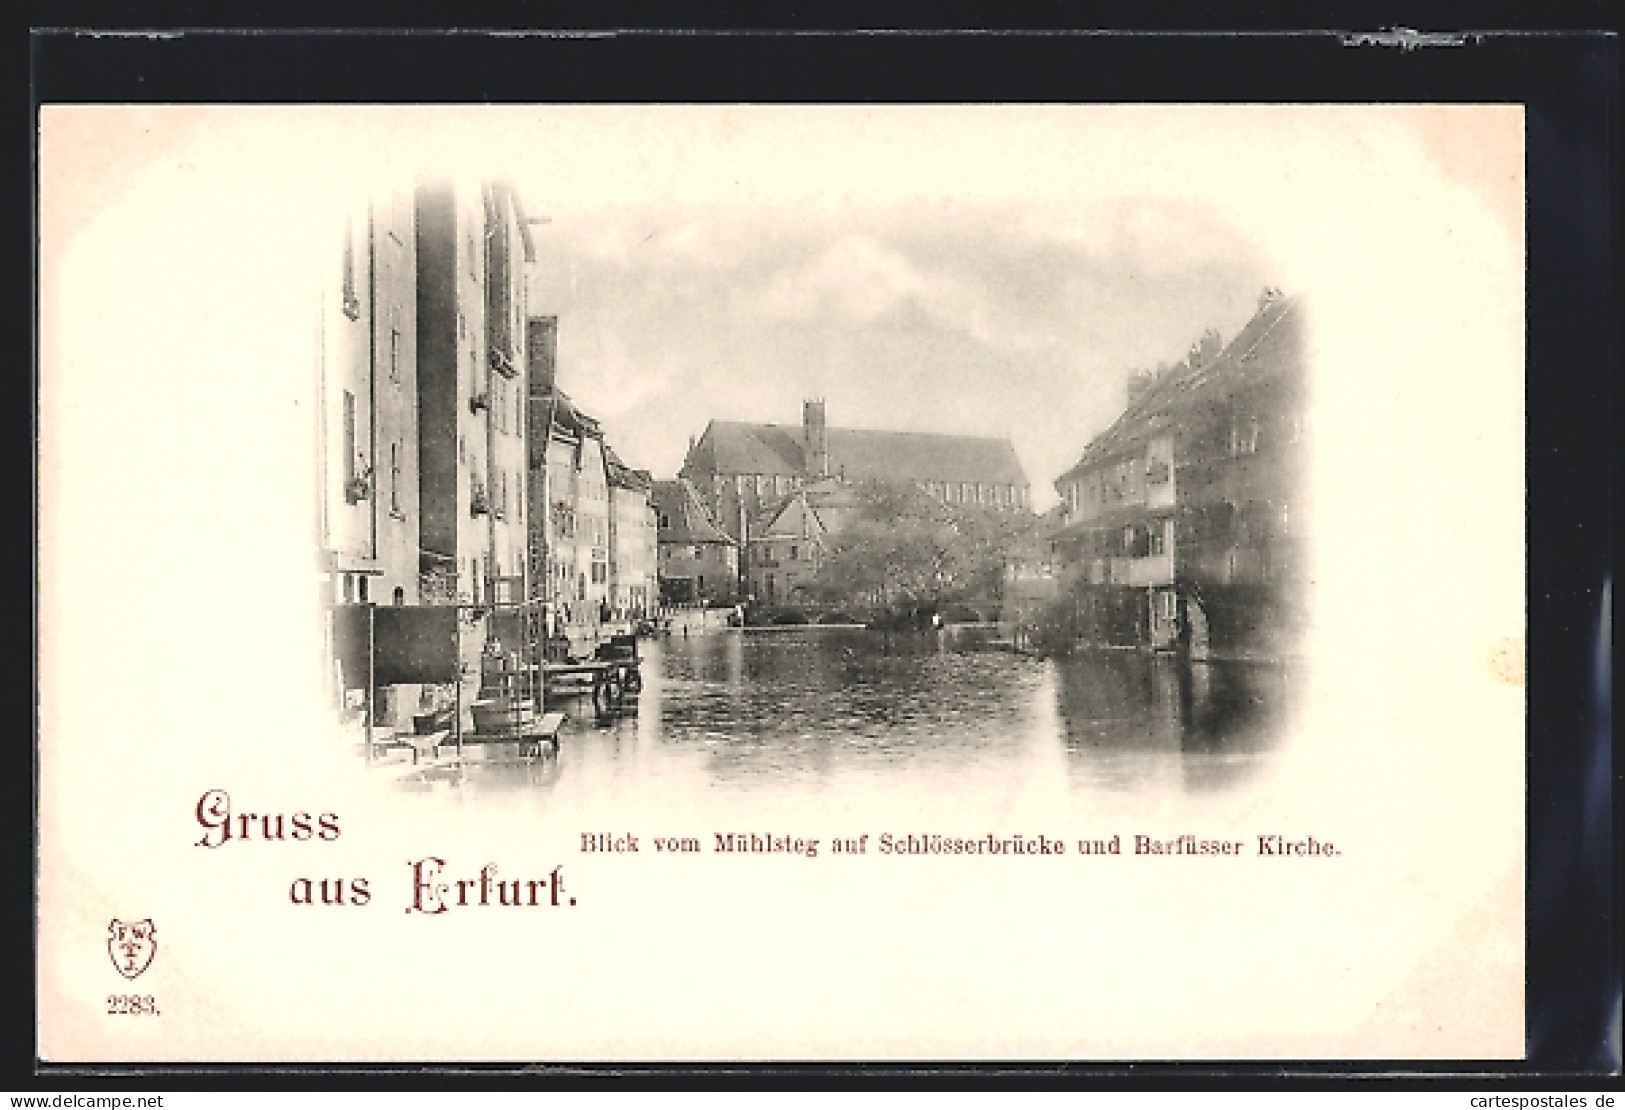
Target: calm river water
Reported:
[(824, 710)]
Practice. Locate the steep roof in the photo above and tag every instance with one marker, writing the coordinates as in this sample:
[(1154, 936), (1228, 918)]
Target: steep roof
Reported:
[(1268, 346), (683, 518), (828, 506), (552, 413), (836, 504), (795, 520), (622, 475), (923, 457), (731, 447)]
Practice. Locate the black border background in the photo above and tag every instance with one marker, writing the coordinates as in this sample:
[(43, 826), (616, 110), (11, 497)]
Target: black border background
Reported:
[(1569, 83)]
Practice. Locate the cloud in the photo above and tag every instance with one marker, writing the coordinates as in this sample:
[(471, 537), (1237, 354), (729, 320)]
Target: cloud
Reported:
[(861, 279), (672, 316), (671, 238), (1143, 235), (611, 381)]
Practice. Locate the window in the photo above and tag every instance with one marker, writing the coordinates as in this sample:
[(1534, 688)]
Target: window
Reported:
[(351, 455), (395, 478), (1159, 538), (793, 552), (1244, 436), (361, 588)]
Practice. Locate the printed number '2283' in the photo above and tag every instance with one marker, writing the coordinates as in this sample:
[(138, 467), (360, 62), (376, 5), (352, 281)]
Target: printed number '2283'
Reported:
[(132, 1004)]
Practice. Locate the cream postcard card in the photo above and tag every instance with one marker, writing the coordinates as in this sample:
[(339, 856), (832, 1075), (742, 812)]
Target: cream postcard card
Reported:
[(742, 583)]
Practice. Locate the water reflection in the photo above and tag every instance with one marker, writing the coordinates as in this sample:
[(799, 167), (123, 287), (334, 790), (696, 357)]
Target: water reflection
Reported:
[(823, 707), (1126, 715), (810, 701)]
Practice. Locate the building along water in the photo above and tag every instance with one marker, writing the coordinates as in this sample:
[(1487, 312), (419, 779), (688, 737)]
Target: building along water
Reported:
[(592, 533), (368, 503), (453, 470), (473, 247), (750, 478), (421, 417), (1182, 523), (742, 469), (367, 433), (698, 561), (788, 546), (633, 541)]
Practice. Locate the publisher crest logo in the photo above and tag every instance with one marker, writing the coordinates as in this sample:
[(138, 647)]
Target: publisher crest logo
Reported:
[(132, 946)]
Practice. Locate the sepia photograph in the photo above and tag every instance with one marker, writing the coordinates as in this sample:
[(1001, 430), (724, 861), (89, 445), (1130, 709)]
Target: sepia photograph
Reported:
[(757, 583)]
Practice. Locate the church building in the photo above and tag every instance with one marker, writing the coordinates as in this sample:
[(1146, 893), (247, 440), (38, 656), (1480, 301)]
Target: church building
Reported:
[(741, 470)]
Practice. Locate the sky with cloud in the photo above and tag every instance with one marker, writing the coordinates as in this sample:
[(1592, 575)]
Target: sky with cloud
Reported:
[(936, 317), (977, 269), (969, 271)]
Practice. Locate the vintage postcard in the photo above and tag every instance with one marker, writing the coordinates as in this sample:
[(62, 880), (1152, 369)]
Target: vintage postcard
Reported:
[(727, 583)]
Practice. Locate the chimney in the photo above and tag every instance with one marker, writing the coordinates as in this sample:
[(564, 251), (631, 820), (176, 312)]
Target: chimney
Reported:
[(815, 438), (542, 353)]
